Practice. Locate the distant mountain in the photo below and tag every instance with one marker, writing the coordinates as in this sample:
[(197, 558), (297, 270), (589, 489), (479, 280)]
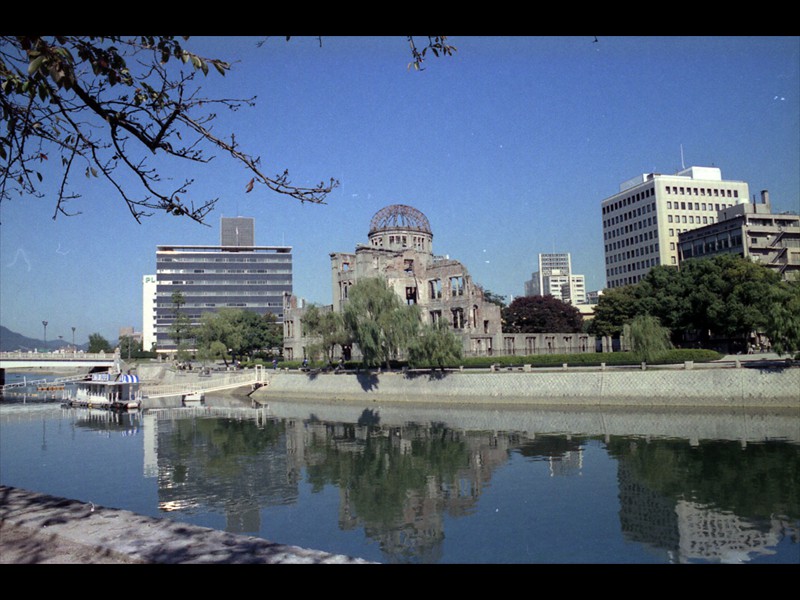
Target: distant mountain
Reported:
[(11, 341)]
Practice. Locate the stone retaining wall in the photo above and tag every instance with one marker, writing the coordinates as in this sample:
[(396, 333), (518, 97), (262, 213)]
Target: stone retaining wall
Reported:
[(726, 387)]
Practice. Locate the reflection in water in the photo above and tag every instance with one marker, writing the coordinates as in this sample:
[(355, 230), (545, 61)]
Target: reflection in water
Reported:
[(707, 501), (411, 485), (715, 501)]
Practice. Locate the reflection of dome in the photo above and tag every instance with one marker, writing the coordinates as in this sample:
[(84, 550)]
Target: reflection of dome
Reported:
[(399, 216)]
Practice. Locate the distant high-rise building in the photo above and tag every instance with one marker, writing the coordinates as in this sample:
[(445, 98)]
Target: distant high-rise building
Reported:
[(236, 274), (555, 278), (642, 222)]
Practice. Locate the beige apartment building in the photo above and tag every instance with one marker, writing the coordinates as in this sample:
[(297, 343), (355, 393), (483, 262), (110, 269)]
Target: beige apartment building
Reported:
[(750, 230), (643, 221)]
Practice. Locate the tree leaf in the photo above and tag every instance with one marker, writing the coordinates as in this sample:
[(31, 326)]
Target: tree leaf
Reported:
[(34, 65)]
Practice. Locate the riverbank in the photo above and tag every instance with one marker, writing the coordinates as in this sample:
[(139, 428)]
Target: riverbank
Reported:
[(740, 382), (41, 529)]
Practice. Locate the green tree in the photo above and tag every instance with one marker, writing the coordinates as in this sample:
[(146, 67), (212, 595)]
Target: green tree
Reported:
[(782, 323), (436, 346), (181, 330), (97, 343), (615, 308), (378, 321), (541, 314), (213, 351), (497, 299), (242, 333), (327, 328), (129, 346), (649, 339)]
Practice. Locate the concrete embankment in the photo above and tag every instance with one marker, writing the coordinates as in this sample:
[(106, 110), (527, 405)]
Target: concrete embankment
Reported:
[(40, 529), (770, 385)]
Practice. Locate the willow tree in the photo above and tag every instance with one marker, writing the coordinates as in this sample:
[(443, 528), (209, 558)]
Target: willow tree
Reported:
[(436, 347), (327, 330), (379, 322), (649, 339), (783, 318)]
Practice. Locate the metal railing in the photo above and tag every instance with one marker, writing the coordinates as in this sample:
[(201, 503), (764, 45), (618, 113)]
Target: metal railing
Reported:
[(214, 383)]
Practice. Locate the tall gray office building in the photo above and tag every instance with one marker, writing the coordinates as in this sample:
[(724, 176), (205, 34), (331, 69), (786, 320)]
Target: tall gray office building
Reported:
[(236, 274)]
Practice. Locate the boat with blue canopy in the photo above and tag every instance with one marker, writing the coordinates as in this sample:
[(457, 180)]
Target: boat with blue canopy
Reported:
[(106, 390)]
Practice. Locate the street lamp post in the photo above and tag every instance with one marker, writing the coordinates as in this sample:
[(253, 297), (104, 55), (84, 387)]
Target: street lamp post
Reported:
[(45, 335), (73, 340)]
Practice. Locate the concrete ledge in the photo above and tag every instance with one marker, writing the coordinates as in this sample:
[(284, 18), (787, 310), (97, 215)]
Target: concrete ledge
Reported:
[(712, 387), (37, 528)]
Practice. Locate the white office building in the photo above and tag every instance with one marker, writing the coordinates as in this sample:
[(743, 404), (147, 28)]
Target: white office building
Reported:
[(148, 312), (642, 222), (555, 278)]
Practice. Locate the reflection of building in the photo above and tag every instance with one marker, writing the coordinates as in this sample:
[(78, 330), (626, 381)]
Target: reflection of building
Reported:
[(711, 535), (400, 250), (642, 222), (751, 231), (683, 531), (236, 274), (405, 518), (554, 277)]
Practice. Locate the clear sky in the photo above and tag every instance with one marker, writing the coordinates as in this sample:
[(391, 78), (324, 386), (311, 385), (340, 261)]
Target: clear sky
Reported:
[(508, 147)]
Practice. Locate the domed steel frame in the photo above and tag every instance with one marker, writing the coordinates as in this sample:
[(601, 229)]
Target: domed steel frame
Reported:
[(399, 216)]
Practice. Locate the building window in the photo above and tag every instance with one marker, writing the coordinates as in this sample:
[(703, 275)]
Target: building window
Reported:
[(457, 286), (436, 316), (411, 295), (458, 318), (435, 287)]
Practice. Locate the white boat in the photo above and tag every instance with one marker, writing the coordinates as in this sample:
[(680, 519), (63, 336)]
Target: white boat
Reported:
[(104, 390), (193, 399)]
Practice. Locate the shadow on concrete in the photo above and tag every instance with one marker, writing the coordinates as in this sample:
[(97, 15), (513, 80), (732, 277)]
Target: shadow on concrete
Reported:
[(368, 381), (431, 375)]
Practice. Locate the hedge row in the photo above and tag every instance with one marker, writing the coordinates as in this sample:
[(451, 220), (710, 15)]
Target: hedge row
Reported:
[(537, 360)]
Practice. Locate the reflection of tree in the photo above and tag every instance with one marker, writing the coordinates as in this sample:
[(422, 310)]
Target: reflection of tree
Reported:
[(755, 482), (398, 482), (229, 465)]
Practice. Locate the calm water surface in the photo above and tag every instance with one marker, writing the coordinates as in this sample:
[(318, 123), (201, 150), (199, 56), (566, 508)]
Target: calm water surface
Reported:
[(422, 485)]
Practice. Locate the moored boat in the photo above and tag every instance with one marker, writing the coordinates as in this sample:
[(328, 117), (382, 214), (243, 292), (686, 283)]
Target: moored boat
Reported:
[(105, 390), (193, 399)]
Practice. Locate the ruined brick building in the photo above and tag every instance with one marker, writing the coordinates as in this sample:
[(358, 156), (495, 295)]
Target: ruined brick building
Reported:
[(400, 249)]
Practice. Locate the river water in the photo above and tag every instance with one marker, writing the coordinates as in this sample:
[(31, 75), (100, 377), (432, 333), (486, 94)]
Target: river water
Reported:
[(434, 485)]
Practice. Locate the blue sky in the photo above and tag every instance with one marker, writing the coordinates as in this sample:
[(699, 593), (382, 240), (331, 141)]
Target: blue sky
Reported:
[(508, 147)]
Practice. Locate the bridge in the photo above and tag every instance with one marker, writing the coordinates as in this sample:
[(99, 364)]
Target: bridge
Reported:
[(58, 360), (183, 385), (214, 382)]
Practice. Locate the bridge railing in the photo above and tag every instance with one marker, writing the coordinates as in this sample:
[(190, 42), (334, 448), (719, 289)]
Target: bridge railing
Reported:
[(216, 382), (66, 356)]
